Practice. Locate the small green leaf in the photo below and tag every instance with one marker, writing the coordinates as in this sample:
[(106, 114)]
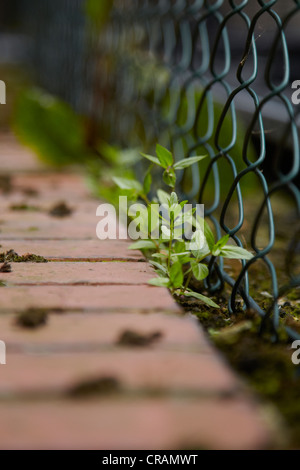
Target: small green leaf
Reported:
[(235, 252), (176, 275), (169, 177), (210, 238), (163, 197), (128, 184), (173, 199), (165, 156), (182, 258), (199, 246), (159, 266), (179, 247), (152, 159), (201, 297), (160, 282), (160, 256), (187, 162), (200, 271), (142, 245), (219, 245), (183, 203)]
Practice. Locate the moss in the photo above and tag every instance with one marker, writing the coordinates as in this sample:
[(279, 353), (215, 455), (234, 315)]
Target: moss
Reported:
[(23, 207), (294, 294), (12, 257)]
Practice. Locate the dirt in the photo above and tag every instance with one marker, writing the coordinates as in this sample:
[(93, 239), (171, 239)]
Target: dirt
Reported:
[(250, 349), (6, 185), (95, 387), (5, 268), (133, 338), (61, 210), (33, 318)]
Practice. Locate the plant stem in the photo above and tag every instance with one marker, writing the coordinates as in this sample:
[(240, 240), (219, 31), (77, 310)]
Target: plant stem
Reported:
[(170, 243), (189, 278)]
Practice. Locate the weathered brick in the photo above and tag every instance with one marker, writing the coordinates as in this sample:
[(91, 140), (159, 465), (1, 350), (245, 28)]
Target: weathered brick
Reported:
[(82, 331), (107, 273), (74, 249), (14, 158), (39, 225), (174, 371), (137, 424), (85, 298)]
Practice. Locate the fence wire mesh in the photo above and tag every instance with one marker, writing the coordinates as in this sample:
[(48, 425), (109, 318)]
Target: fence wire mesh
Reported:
[(215, 77)]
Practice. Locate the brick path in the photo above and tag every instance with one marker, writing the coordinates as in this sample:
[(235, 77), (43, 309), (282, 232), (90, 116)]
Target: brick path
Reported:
[(71, 384)]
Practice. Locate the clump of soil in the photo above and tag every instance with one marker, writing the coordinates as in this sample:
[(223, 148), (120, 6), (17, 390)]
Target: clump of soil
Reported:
[(6, 185), (61, 210), (12, 257), (32, 318), (30, 192), (132, 338), (5, 268), (102, 386)]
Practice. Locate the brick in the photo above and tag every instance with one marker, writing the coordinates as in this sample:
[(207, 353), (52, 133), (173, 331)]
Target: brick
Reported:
[(85, 331), (37, 225), (86, 298), (53, 186), (14, 158), (174, 371), (137, 424), (74, 250), (105, 273)]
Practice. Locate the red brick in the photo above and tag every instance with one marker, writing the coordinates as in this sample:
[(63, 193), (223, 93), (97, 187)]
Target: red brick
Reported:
[(139, 424), (37, 225), (14, 158), (143, 369), (106, 273), (85, 330), (85, 298), (74, 250)]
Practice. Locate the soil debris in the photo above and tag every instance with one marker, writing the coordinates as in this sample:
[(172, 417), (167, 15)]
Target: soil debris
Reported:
[(102, 386), (61, 210), (6, 268), (132, 338), (6, 185), (30, 192), (32, 318)]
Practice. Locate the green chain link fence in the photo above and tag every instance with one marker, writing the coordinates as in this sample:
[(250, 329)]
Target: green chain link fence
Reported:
[(215, 77)]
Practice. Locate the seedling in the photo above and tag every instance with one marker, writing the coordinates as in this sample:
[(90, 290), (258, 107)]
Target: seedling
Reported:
[(177, 260)]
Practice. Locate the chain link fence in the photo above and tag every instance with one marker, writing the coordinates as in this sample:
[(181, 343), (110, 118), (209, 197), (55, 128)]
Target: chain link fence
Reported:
[(216, 77)]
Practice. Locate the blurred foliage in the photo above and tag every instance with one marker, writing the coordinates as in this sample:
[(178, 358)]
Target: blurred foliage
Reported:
[(51, 128), (98, 11), (116, 162)]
